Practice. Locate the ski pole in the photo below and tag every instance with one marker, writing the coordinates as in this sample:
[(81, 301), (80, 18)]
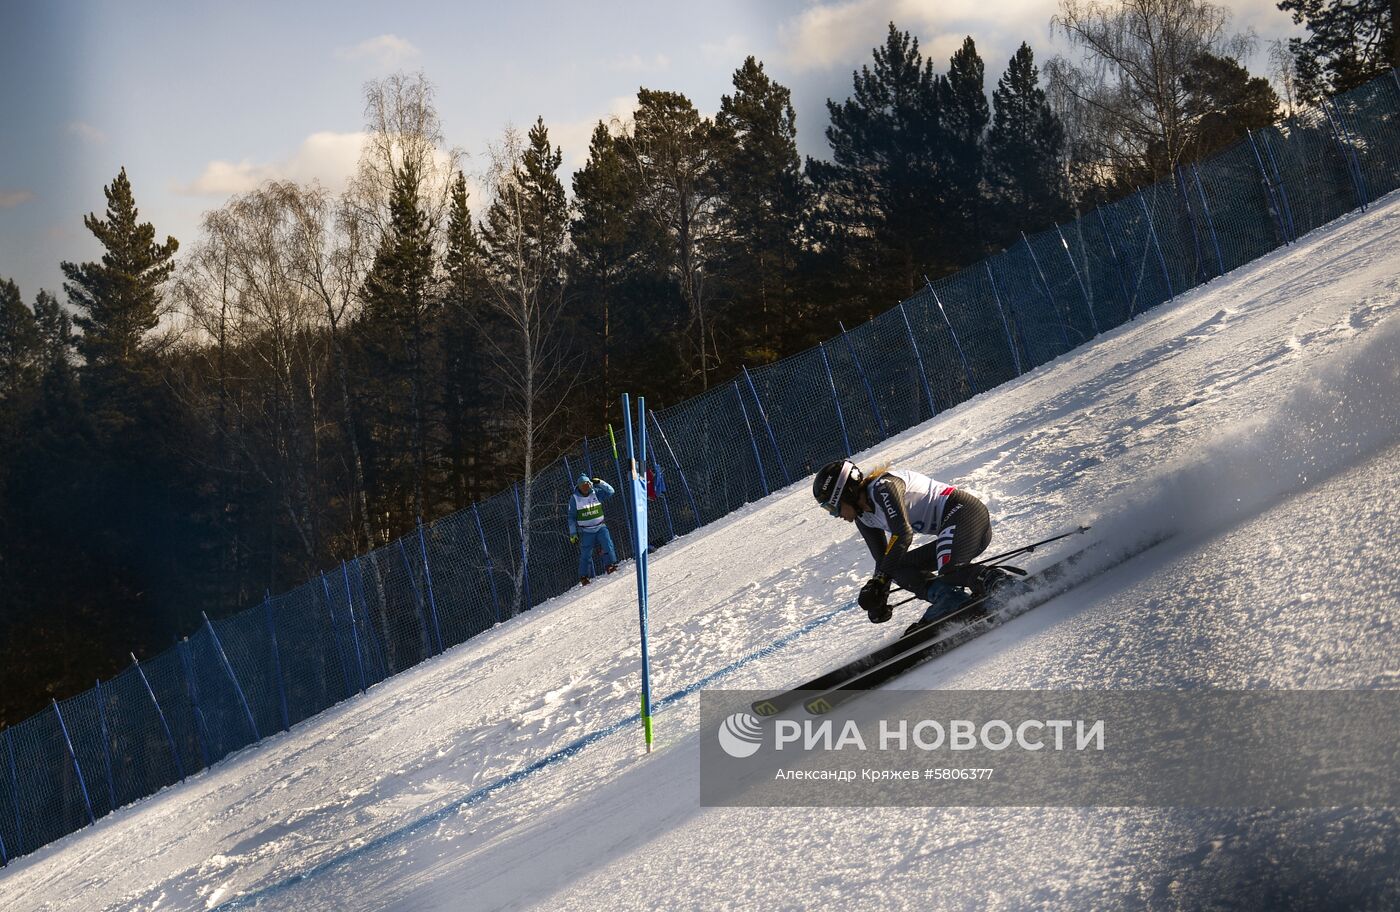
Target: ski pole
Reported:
[(1026, 549)]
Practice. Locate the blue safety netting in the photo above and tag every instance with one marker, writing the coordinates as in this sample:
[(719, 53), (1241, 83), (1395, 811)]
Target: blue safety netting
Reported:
[(242, 678)]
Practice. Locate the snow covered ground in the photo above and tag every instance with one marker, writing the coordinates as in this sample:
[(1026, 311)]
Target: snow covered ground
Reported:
[(1256, 418)]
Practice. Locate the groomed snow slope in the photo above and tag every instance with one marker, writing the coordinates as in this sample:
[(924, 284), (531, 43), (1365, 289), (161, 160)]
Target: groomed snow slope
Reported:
[(1256, 417)]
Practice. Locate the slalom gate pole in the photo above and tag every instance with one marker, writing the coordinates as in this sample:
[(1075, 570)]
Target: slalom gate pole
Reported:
[(638, 491)]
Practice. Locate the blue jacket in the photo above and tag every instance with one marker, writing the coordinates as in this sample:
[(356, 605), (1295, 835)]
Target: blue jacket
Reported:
[(602, 490)]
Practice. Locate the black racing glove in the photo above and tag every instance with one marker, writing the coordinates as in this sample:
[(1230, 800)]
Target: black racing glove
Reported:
[(874, 598)]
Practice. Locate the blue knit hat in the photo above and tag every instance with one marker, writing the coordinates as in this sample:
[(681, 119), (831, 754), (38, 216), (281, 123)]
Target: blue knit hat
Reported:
[(583, 479)]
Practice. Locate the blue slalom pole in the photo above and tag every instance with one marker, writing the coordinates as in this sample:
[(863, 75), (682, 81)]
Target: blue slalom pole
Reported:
[(639, 499)]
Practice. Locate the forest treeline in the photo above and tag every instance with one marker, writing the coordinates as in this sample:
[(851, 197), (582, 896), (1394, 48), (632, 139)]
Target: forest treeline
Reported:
[(207, 419)]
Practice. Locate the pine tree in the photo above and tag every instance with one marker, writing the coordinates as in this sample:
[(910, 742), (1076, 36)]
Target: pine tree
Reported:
[(119, 300), (19, 345), (395, 342), (628, 308), (1350, 42), (880, 197), (472, 474), (1025, 154), (762, 199), (1225, 101), (965, 117), (673, 151), (523, 323)]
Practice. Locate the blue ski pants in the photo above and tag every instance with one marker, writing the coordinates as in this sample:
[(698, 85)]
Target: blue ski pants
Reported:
[(587, 538)]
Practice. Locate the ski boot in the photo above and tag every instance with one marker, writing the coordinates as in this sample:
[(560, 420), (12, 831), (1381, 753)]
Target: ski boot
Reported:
[(992, 580), (585, 580), (612, 568), (943, 599)]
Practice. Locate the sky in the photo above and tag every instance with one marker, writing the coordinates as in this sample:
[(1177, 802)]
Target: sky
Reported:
[(200, 101)]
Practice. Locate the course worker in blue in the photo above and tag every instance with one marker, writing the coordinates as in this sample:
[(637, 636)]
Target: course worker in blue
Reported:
[(586, 526)]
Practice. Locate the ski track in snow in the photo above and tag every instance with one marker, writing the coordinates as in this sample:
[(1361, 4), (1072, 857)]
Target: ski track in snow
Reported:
[(1255, 417)]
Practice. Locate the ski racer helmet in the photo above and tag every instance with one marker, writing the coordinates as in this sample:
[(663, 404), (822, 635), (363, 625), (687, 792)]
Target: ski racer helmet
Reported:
[(837, 482)]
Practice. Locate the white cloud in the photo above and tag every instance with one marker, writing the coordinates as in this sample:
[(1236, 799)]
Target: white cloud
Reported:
[(9, 199), (827, 36), (575, 135), (732, 50), (383, 53), (636, 63), (839, 34), (87, 133), (328, 158)]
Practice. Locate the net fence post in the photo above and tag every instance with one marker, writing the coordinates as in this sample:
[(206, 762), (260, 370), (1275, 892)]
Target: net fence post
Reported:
[(763, 413), (77, 767), (1049, 295), (758, 460), (1278, 181), (831, 382), (1006, 327), (1275, 206), (918, 359), (201, 732), (1079, 280), (655, 460), (354, 627), (490, 564), (1128, 299), (1179, 185), (1157, 245), (865, 381), (14, 791), (656, 423), (428, 585), (106, 746), (1343, 140), (425, 636), (233, 678), (276, 660), (524, 548), (962, 356), (160, 714), (1210, 219)]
